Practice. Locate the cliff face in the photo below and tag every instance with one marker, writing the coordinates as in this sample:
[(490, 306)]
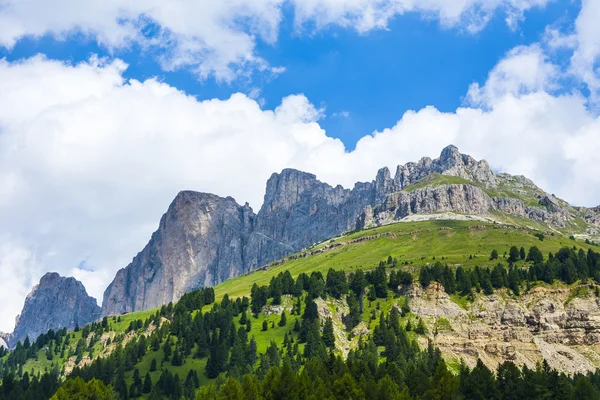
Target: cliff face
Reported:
[(204, 239), (56, 302), (560, 325), (299, 210)]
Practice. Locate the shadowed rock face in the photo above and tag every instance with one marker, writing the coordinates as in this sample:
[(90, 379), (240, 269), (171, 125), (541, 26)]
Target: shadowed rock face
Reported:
[(56, 302), (204, 239)]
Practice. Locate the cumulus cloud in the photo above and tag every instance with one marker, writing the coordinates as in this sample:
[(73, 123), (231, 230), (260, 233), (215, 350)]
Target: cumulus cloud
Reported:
[(211, 37), (89, 160), (525, 69), (582, 40), (585, 62), (218, 38)]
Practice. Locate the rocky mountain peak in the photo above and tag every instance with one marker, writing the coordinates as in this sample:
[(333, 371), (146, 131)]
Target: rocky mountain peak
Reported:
[(54, 303), (204, 239), (287, 187), (450, 157), (4, 340), (199, 242), (50, 279), (450, 162)]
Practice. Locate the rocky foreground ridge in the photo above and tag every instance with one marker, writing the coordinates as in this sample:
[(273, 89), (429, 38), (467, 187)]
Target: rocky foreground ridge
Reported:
[(204, 239), (56, 302), (558, 324)]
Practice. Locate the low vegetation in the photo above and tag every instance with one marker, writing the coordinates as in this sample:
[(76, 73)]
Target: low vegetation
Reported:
[(266, 335)]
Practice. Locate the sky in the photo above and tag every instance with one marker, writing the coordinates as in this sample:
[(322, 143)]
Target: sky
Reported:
[(108, 109)]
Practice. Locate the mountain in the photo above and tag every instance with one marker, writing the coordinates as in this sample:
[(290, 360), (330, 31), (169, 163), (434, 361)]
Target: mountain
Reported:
[(54, 303), (204, 239)]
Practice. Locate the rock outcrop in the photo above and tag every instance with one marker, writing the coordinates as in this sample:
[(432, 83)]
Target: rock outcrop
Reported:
[(56, 302), (205, 239), (560, 325), (202, 240)]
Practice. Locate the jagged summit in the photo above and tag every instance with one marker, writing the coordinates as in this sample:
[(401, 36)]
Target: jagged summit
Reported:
[(54, 303), (450, 162), (204, 239)]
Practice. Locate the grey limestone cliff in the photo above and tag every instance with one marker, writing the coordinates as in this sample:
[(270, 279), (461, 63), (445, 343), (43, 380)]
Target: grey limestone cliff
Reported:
[(56, 302), (3, 340), (204, 239)]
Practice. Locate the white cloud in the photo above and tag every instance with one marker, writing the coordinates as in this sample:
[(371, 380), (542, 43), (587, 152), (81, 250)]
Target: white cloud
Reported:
[(583, 41), (90, 161), (585, 62), (341, 114), (218, 38), (364, 15), (19, 272), (525, 69), (211, 37)]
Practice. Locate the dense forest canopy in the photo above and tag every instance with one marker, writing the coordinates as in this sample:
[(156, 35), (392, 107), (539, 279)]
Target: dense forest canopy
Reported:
[(300, 361)]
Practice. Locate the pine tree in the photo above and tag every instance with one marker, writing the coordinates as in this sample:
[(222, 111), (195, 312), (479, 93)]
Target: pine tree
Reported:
[(421, 329), (314, 345), (535, 255), (167, 350), (147, 388), (353, 317), (283, 319), (153, 365), (494, 255), (265, 325), (522, 254), (231, 390), (513, 255), (328, 336)]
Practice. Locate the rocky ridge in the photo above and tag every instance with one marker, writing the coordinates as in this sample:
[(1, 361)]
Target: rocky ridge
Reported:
[(559, 325), (204, 239), (54, 303)]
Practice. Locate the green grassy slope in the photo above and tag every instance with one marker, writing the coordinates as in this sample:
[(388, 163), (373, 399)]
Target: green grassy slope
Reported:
[(415, 243)]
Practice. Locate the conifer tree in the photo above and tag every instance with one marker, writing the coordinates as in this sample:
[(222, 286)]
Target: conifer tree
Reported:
[(283, 319), (147, 388), (494, 255), (328, 335)]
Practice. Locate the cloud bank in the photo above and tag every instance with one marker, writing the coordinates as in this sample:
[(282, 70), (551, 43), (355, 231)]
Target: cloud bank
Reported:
[(89, 161), (219, 38)]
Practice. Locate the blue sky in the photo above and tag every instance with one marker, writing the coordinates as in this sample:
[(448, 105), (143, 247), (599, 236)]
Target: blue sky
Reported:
[(109, 108), (365, 81)]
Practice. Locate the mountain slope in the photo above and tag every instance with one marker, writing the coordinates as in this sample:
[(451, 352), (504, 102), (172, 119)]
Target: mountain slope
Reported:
[(466, 243), (494, 328), (204, 239), (56, 302)]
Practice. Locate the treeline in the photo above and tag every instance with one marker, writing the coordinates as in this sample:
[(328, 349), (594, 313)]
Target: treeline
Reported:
[(567, 265), (389, 364), (406, 372), (54, 342)]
